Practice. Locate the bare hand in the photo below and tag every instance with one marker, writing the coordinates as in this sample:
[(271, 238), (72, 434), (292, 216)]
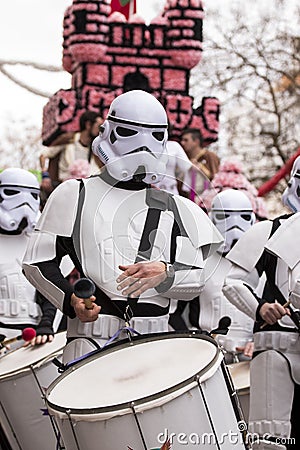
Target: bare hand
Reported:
[(39, 340), (271, 312), (84, 314), (139, 277), (247, 350), (46, 185)]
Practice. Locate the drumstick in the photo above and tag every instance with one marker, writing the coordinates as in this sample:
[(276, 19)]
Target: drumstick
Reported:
[(27, 335), (85, 288), (266, 323)]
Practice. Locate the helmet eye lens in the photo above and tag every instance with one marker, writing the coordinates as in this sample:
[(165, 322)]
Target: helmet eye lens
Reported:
[(158, 135), (34, 195), (246, 217), (125, 132), (221, 216), (298, 191), (11, 192)]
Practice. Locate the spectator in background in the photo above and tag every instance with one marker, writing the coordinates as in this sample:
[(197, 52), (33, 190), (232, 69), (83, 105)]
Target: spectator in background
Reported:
[(177, 166), (73, 146), (206, 163)]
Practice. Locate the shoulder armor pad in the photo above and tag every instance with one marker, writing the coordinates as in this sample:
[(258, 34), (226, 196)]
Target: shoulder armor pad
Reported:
[(60, 211), (250, 246), (285, 242), (197, 224)]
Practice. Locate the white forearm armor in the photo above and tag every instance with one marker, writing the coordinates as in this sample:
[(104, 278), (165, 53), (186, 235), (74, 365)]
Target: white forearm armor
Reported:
[(295, 295), (244, 257), (236, 291)]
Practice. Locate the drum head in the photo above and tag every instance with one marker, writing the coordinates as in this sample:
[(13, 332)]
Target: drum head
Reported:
[(139, 371), (20, 359)]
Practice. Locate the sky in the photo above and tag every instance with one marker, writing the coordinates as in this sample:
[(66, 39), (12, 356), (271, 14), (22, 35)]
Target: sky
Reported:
[(31, 30)]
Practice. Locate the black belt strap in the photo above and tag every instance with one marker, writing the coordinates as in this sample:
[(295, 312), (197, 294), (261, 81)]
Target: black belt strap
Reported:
[(145, 247)]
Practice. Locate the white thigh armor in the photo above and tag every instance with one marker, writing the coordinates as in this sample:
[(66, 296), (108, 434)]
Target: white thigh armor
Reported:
[(17, 295), (105, 328), (286, 343), (271, 398)]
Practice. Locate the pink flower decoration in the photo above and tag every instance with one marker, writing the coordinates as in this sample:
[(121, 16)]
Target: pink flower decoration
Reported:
[(160, 20), (231, 176), (79, 169), (116, 16), (135, 18)]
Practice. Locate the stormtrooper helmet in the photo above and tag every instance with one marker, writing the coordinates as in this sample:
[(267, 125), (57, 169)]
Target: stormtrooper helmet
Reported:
[(132, 140), (232, 214), (291, 195), (19, 200)]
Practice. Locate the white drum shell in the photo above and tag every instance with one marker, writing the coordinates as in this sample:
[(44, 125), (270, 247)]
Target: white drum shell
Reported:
[(23, 373), (191, 413), (240, 373)]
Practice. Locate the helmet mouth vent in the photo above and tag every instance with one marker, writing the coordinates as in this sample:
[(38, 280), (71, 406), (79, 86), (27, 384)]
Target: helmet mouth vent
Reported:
[(141, 149), (139, 174)]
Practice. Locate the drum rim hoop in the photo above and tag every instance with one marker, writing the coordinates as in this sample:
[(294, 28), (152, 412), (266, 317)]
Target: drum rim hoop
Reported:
[(13, 373), (140, 401)]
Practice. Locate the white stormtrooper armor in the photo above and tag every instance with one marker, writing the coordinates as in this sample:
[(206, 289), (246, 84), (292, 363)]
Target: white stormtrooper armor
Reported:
[(277, 362), (133, 138), (19, 210), (17, 295), (214, 306), (232, 213), (103, 223), (291, 195), (111, 238), (19, 202)]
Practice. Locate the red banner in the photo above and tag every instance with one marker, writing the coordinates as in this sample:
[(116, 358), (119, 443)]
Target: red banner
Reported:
[(126, 7), (284, 171)]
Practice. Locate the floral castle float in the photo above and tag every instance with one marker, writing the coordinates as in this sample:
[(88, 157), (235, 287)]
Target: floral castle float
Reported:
[(106, 54)]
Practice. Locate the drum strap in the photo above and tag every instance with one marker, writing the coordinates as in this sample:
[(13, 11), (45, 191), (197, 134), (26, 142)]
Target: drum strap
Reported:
[(117, 334)]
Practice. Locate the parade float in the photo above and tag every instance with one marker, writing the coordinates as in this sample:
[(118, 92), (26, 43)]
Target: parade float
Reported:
[(107, 54)]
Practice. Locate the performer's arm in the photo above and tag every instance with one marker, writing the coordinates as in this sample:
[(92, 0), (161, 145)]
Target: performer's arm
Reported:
[(44, 330), (50, 241), (239, 286)]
